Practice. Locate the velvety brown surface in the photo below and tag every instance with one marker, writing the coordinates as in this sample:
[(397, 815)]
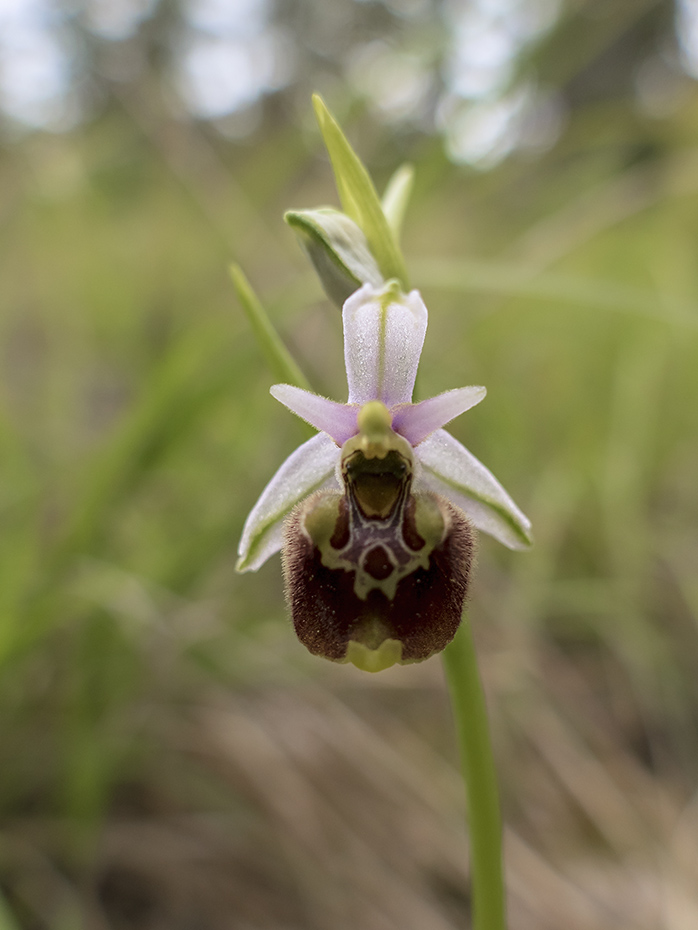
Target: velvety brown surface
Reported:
[(424, 614)]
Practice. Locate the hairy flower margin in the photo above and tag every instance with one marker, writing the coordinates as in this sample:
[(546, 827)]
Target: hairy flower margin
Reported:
[(374, 514)]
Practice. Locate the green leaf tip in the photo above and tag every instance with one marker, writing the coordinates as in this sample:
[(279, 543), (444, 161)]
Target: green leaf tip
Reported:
[(358, 196), (280, 361)]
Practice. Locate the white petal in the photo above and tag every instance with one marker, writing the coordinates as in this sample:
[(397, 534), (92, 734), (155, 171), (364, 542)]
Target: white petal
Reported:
[(417, 421), (338, 420), (307, 469), (449, 469), (383, 340)]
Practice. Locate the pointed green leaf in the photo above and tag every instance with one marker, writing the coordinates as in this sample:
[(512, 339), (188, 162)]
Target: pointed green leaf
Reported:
[(279, 359), (358, 196), (396, 197), (338, 250)]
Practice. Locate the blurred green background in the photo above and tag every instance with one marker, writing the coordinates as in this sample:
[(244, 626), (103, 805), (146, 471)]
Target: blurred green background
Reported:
[(170, 757)]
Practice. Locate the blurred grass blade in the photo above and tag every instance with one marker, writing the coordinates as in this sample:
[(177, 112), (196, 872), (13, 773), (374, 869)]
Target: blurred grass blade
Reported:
[(189, 382), (21, 564), (279, 359), (7, 921), (358, 196), (396, 198), (512, 280)]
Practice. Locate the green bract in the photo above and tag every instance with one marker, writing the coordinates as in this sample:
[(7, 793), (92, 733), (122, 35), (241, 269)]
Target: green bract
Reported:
[(360, 245), (338, 250), (359, 198)]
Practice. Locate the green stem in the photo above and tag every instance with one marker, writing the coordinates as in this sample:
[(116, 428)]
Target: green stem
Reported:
[(485, 822)]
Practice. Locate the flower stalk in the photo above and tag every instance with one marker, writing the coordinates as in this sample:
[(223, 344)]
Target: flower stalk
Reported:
[(480, 779)]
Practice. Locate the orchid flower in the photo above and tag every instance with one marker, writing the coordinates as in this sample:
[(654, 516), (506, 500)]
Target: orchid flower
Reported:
[(374, 513)]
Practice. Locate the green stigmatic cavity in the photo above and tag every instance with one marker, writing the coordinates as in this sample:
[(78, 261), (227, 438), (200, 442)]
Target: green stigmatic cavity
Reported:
[(376, 574)]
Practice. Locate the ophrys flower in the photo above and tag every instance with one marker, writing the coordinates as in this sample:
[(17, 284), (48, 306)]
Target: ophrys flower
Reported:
[(374, 513)]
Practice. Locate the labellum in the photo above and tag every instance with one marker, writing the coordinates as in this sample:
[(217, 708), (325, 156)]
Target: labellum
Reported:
[(376, 573)]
